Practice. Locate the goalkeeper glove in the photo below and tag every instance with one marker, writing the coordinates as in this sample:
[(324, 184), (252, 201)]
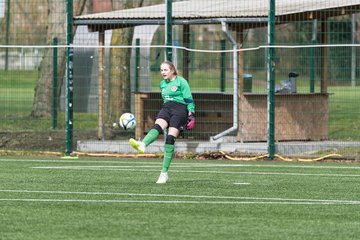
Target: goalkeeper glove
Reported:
[(191, 121)]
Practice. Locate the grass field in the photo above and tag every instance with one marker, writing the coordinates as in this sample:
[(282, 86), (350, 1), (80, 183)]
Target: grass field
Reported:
[(99, 198)]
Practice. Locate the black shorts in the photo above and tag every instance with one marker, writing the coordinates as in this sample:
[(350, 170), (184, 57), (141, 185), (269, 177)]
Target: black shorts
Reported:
[(175, 114)]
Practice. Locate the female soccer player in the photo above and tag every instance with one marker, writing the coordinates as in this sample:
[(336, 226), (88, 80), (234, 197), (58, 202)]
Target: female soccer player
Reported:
[(177, 111)]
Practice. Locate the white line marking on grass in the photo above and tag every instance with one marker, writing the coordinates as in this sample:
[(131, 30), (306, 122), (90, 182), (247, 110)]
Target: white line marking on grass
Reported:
[(150, 162), (121, 168), (272, 173), (276, 166), (169, 201), (133, 161), (94, 167), (181, 196), (241, 183)]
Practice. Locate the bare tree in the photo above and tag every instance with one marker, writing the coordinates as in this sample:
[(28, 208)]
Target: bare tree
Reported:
[(56, 28), (119, 90)]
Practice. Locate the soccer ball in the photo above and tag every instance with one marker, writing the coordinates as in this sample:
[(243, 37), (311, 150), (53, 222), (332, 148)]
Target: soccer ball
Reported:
[(127, 121)]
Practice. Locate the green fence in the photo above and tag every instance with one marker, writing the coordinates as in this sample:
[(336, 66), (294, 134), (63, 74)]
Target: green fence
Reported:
[(51, 102)]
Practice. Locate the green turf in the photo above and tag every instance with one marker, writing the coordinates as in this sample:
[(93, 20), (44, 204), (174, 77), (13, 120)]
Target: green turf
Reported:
[(98, 198), (344, 117)]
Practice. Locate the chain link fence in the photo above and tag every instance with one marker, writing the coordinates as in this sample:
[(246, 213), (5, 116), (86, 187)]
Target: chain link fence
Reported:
[(220, 47)]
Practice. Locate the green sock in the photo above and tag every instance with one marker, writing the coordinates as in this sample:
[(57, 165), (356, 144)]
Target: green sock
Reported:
[(150, 137), (168, 156)]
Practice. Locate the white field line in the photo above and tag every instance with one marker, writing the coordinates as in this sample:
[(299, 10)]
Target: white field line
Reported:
[(95, 167), (149, 162), (169, 202), (122, 168), (135, 161), (238, 198), (241, 183)]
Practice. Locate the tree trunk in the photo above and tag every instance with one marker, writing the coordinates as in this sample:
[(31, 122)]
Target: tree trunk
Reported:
[(119, 84), (56, 28)]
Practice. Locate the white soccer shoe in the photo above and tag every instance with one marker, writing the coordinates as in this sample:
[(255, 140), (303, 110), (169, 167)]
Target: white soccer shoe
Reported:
[(137, 145), (163, 178)]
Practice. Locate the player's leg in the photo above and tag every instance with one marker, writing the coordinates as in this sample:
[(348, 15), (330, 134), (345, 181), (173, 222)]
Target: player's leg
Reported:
[(160, 124), (169, 150), (150, 137), (157, 129), (178, 117)]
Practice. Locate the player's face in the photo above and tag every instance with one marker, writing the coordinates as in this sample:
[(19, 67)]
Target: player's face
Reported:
[(166, 72)]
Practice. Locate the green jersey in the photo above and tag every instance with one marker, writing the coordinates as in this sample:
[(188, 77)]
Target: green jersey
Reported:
[(177, 90)]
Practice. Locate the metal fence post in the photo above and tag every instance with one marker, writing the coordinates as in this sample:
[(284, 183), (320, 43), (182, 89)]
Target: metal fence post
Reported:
[(137, 64), (271, 82), (55, 76), (69, 79), (312, 57), (7, 36), (168, 29), (222, 65)]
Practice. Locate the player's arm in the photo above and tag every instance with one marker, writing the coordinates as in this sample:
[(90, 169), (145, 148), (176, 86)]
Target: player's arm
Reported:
[(188, 98)]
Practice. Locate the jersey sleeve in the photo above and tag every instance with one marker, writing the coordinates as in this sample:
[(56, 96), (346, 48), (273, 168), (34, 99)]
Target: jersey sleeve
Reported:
[(187, 95)]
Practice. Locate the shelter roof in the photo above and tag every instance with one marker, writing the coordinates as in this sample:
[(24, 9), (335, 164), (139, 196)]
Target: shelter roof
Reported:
[(215, 11)]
